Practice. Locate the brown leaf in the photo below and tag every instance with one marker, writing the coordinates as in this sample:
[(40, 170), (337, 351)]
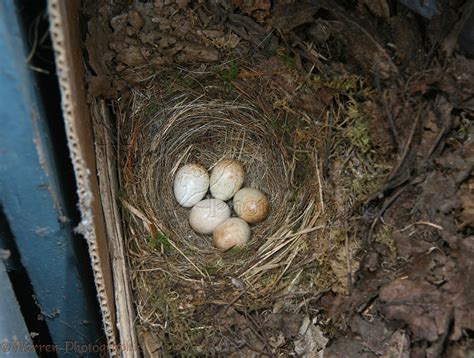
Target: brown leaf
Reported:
[(466, 194), (197, 53), (135, 20), (379, 8), (408, 41), (249, 6), (417, 303), (310, 103), (286, 17)]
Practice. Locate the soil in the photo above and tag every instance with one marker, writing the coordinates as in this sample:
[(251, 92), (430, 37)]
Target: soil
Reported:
[(400, 282)]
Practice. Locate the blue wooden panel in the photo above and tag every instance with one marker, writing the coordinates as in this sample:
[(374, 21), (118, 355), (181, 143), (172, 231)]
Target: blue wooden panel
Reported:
[(30, 195), (14, 337)]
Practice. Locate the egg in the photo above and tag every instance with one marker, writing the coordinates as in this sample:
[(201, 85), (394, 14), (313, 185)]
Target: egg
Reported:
[(191, 183), (227, 178), (233, 232), (206, 215), (251, 205)]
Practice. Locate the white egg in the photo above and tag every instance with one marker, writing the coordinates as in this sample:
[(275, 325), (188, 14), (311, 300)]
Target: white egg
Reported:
[(227, 178), (191, 183), (251, 205), (233, 232), (206, 215)]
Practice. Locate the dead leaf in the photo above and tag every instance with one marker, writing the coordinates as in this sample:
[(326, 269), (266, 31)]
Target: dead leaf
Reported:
[(286, 17), (312, 341), (408, 41), (322, 30), (258, 9), (398, 346), (149, 342), (135, 20), (192, 52), (379, 8), (340, 268), (364, 50), (417, 303), (466, 194)]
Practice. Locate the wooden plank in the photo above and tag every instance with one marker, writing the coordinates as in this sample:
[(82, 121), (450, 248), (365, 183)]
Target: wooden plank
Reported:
[(64, 19)]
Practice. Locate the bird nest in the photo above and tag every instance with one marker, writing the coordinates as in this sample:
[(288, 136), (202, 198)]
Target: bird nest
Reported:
[(180, 280)]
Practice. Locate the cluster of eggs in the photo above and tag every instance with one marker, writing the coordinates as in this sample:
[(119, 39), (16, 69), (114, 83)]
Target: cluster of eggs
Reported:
[(213, 216)]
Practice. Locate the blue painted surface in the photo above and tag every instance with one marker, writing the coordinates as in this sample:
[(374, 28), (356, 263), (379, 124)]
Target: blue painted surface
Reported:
[(14, 337), (426, 8), (30, 196)]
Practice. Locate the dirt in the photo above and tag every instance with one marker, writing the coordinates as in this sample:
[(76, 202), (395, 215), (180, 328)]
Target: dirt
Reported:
[(401, 281)]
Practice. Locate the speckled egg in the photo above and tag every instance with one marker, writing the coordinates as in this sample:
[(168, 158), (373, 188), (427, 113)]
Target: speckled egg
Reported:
[(227, 178), (233, 232), (206, 215), (191, 184), (251, 205)]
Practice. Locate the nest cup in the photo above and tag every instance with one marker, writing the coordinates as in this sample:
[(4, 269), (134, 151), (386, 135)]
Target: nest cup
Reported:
[(204, 132)]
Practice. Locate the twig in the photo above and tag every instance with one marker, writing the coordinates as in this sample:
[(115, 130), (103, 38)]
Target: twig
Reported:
[(257, 330), (388, 115), (395, 171), (380, 213), (248, 74), (135, 212), (445, 109), (320, 185), (407, 147), (231, 303), (427, 223), (306, 231), (349, 266)]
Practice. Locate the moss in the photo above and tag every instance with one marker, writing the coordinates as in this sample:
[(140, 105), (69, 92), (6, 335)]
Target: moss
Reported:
[(286, 58), (384, 236), (234, 250), (178, 336), (152, 109), (339, 236), (280, 128), (303, 166), (160, 241), (229, 73), (357, 130), (210, 270), (345, 85), (358, 134)]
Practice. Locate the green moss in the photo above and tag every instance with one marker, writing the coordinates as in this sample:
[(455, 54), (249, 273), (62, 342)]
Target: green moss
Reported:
[(346, 85), (303, 166), (234, 250), (160, 241), (152, 109), (354, 125), (229, 73), (279, 127), (287, 58), (358, 135), (210, 270), (384, 236), (339, 236), (293, 197)]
